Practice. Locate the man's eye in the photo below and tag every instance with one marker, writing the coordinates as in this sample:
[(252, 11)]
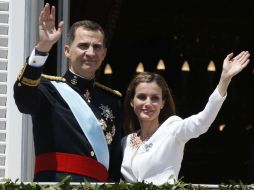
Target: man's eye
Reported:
[(97, 47), (84, 46)]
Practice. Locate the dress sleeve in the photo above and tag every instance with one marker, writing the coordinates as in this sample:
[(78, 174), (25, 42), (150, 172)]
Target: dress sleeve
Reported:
[(198, 124)]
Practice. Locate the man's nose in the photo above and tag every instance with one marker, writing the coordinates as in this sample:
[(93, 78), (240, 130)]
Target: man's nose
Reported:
[(90, 50)]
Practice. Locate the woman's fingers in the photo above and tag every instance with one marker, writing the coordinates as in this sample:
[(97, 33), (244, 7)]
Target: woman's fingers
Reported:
[(229, 57), (244, 57)]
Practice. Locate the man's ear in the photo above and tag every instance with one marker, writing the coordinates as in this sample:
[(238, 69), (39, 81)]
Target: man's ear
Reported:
[(67, 51), (105, 53)]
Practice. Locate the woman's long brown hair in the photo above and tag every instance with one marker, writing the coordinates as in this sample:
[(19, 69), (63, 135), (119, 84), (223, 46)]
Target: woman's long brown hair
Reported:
[(131, 122)]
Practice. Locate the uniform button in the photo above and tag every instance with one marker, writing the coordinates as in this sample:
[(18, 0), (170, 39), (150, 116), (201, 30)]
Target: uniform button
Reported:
[(34, 61), (92, 153), (19, 84)]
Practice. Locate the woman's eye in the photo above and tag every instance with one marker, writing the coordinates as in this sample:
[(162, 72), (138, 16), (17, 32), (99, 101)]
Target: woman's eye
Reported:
[(155, 98), (141, 97)]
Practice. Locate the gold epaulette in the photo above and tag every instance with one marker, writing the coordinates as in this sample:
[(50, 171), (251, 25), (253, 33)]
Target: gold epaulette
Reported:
[(22, 72), (108, 89), (55, 78)]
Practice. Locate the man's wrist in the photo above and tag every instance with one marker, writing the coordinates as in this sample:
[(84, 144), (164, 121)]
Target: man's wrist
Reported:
[(40, 53), (44, 46)]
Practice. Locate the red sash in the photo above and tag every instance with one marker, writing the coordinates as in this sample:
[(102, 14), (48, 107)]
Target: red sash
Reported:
[(71, 163)]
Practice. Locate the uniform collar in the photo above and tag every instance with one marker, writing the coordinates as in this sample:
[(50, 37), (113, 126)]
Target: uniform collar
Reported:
[(78, 81)]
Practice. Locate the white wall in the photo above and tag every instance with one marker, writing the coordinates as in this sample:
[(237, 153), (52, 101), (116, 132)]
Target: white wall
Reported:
[(15, 62), (4, 40), (17, 159)]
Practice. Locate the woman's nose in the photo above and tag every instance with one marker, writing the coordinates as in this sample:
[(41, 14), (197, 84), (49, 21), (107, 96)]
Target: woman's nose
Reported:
[(148, 101)]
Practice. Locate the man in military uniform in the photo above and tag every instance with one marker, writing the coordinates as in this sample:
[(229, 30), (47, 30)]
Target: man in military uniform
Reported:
[(75, 119)]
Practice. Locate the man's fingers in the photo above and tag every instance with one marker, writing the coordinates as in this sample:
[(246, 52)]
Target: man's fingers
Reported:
[(46, 12), (53, 13), (60, 26), (47, 17)]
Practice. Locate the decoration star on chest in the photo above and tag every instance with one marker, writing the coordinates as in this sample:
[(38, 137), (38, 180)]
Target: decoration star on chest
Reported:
[(87, 95), (107, 112)]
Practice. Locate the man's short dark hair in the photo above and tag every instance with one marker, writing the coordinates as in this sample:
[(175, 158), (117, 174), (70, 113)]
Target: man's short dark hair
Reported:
[(85, 24)]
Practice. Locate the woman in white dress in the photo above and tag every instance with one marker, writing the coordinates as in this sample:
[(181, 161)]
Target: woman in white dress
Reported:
[(153, 150)]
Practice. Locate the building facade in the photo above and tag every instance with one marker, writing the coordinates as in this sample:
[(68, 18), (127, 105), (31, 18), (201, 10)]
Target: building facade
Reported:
[(18, 35)]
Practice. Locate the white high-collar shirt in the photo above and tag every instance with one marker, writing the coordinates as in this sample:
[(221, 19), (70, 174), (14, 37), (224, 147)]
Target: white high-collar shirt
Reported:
[(160, 157)]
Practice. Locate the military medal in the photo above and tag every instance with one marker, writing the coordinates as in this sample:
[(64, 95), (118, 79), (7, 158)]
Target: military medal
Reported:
[(106, 112), (87, 96), (109, 135), (103, 124)]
